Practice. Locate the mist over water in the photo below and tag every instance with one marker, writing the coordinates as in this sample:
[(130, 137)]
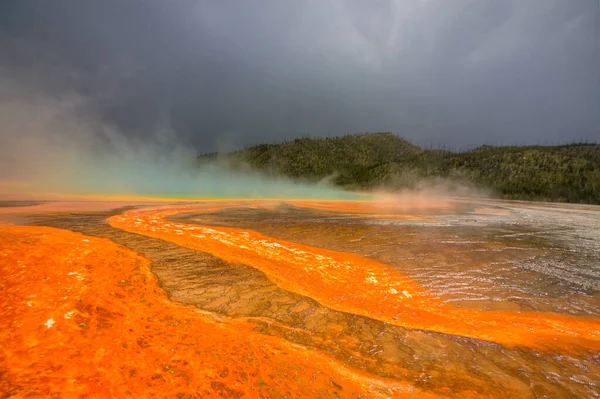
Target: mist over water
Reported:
[(55, 143), (58, 145)]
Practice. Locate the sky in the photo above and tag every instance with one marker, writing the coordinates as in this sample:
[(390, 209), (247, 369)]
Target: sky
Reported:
[(219, 75)]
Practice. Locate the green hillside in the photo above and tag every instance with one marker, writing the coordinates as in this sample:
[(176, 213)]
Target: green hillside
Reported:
[(566, 173)]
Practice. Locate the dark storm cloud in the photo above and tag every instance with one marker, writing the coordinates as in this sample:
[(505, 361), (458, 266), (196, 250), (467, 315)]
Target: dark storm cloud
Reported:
[(457, 72)]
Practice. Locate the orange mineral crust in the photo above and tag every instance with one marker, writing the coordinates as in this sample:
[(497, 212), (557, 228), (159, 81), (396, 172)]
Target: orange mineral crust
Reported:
[(84, 317), (401, 208), (353, 284)]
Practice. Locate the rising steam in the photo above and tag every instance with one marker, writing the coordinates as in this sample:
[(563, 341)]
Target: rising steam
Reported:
[(58, 145)]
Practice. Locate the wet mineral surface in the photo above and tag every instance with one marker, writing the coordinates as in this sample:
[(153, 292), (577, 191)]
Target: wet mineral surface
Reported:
[(465, 300)]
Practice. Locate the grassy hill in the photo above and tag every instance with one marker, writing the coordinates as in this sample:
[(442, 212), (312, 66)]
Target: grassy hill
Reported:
[(565, 173)]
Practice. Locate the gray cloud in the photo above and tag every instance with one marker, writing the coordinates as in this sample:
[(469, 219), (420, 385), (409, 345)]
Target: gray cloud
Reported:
[(457, 72)]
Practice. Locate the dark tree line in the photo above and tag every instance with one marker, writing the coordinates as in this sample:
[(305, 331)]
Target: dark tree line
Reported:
[(565, 173)]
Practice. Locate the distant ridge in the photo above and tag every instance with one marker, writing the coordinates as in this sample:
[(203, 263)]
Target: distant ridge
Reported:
[(563, 173)]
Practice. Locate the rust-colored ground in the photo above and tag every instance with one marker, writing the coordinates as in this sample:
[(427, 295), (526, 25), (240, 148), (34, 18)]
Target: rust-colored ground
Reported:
[(390, 208), (361, 286), (84, 317), (371, 207)]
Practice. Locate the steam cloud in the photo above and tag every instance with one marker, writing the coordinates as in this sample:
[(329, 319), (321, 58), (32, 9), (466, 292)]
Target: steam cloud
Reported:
[(54, 143), (58, 145)]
